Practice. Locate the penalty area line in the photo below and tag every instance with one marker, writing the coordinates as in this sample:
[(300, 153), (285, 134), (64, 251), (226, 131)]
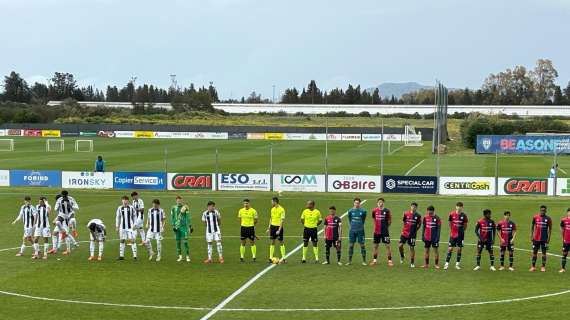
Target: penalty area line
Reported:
[(414, 167), (246, 285)]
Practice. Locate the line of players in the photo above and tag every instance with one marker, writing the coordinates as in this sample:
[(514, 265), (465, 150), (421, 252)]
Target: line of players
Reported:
[(130, 221)]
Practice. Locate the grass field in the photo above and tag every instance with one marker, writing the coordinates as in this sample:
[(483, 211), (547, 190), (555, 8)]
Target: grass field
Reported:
[(150, 290), (174, 288), (251, 156)]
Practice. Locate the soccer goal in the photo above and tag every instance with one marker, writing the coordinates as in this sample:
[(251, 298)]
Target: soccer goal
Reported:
[(55, 145), (6, 144), (83, 145), (411, 137)]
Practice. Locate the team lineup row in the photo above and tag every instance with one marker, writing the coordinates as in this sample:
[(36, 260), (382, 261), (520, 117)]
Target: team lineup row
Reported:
[(131, 221)]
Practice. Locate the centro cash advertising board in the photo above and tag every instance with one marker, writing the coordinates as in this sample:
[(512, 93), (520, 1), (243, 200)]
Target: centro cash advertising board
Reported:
[(299, 182), (244, 181), (139, 180), (86, 180), (469, 186), (350, 183)]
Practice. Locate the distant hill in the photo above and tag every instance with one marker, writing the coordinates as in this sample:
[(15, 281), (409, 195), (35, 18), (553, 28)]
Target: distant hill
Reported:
[(387, 89)]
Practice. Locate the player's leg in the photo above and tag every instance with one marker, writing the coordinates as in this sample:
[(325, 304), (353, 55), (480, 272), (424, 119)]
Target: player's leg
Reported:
[(535, 249), (351, 241), (564, 257), (401, 250), (427, 245), (282, 247), (220, 250), (375, 251), (46, 245), (511, 257), (316, 248), (328, 245), (143, 235), (338, 251), (491, 255), (91, 247), (544, 249), (502, 251), (436, 254), (122, 246), (449, 252), (386, 241), (148, 244), (271, 248), (459, 252), (178, 235), (242, 248), (209, 260), (305, 245), (479, 250), (36, 247), (412, 244)]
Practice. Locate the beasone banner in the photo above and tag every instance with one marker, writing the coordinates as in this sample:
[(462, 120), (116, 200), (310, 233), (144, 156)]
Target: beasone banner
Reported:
[(531, 144), (351, 183), (244, 181), (86, 180), (35, 178), (525, 186), (470, 186), (410, 184), (139, 180), (4, 178), (190, 181), (299, 182)]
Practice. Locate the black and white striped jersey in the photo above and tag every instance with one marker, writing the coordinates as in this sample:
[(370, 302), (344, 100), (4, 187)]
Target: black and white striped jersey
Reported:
[(139, 207), (155, 218), (125, 217), (42, 216), (97, 225), (27, 215), (212, 220), (66, 206)]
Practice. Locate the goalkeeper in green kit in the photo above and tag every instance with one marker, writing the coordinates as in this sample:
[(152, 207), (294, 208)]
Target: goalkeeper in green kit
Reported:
[(181, 225)]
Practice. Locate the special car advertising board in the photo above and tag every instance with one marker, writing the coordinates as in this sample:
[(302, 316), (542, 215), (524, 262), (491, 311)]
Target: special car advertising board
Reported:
[(410, 184), (299, 182), (470, 186), (4, 178), (353, 183)]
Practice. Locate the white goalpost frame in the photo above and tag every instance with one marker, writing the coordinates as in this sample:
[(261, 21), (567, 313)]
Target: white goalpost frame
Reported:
[(61, 144), (89, 143), (411, 137), (10, 145)]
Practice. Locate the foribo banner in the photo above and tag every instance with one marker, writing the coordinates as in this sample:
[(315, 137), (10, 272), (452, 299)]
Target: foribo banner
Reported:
[(139, 180), (35, 178)]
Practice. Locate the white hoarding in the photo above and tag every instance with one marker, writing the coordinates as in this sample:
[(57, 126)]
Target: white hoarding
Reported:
[(86, 180), (354, 184), (470, 186), (299, 182), (124, 134), (563, 187), (351, 137), (244, 181), (4, 178), (334, 136)]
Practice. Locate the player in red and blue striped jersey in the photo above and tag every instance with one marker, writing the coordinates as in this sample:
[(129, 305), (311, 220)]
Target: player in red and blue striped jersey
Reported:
[(412, 222), (430, 235), (457, 225), (382, 217), (507, 230), (565, 230), (541, 230), (485, 229)]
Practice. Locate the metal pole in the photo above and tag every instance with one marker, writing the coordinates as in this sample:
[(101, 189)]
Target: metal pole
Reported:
[(326, 154), (555, 170), (271, 167), (216, 169), (166, 159), (382, 157), (496, 172)]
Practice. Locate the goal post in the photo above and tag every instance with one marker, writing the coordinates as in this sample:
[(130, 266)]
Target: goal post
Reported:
[(6, 144), (411, 137), (55, 145), (83, 145)]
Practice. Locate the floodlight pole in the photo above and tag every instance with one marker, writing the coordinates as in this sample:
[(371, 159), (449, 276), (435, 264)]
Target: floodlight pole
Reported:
[(382, 156), (216, 170), (555, 170), (326, 154), (166, 159), (496, 172), (271, 167)]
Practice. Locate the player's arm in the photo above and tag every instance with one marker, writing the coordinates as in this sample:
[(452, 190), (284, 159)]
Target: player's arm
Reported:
[(419, 225), (117, 218), (562, 229), (423, 230), (255, 217), (162, 219), (389, 218), (281, 222), (494, 233), (514, 233), (466, 224), (364, 217), (438, 229), (303, 218), (532, 225), (173, 218), (500, 233), (204, 218), (74, 204), (478, 231), (321, 219), (19, 217), (549, 230), (219, 215), (450, 219), (339, 230)]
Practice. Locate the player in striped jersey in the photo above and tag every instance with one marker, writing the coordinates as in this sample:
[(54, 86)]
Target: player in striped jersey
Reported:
[(27, 215), (42, 229), (124, 223), (97, 233), (65, 206), (138, 204), (485, 229), (507, 231), (541, 230), (155, 225), (212, 220)]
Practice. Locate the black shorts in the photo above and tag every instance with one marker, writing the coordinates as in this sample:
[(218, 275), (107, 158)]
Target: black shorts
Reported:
[(273, 233), (456, 242), (310, 234), (247, 233), (410, 241), (566, 247), (331, 243), (508, 247), (539, 245), (431, 244), (487, 245), (384, 238)]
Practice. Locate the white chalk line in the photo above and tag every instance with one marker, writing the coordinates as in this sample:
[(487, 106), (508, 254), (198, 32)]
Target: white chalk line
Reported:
[(246, 285), (397, 149), (414, 167)]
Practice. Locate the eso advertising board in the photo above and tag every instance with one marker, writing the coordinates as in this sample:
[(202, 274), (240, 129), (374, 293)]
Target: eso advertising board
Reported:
[(243, 181), (350, 183), (299, 182), (470, 186), (139, 180), (546, 144), (86, 180)]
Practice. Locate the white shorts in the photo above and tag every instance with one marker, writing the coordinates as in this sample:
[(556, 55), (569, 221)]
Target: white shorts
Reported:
[(139, 224), (98, 237), (72, 222), (126, 234), (28, 232), (213, 236), (153, 235), (42, 232)]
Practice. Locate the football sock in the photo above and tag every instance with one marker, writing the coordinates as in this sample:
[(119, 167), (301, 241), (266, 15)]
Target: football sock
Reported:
[(22, 248), (46, 246), (502, 258), (328, 253), (390, 258), (101, 246), (282, 251), (36, 248), (533, 260), (91, 248), (363, 253), (254, 251), (55, 241), (143, 235), (458, 257), (122, 249), (492, 259), (305, 253), (186, 247), (448, 258), (478, 259), (350, 253), (210, 250), (134, 249), (316, 253), (401, 252), (338, 252), (436, 261), (241, 251), (219, 247), (159, 247), (564, 257), (271, 251), (511, 258)]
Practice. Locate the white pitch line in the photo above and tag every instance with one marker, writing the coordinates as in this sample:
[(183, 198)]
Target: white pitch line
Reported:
[(414, 167), (246, 285), (564, 171), (397, 149)]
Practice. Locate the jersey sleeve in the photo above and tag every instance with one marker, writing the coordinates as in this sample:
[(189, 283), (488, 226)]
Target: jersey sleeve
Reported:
[(549, 222), (117, 217), (303, 214), (320, 215), (514, 226), (326, 223), (141, 204), (255, 214), (204, 216)]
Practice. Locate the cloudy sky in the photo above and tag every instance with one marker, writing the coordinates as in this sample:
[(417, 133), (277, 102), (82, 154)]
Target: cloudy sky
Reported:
[(245, 45)]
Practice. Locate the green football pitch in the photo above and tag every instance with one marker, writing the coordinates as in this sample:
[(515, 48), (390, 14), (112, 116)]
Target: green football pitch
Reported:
[(253, 156), (73, 287)]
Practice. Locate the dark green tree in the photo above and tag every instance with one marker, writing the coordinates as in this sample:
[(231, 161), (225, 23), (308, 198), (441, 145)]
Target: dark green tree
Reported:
[(15, 88)]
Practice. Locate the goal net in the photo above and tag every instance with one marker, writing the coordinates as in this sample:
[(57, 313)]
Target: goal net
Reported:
[(411, 137), (55, 145), (83, 145), (6, 144)]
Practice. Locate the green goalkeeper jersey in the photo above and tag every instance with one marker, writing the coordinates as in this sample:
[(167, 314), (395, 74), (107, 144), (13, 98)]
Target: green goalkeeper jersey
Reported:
[(180, 217)]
